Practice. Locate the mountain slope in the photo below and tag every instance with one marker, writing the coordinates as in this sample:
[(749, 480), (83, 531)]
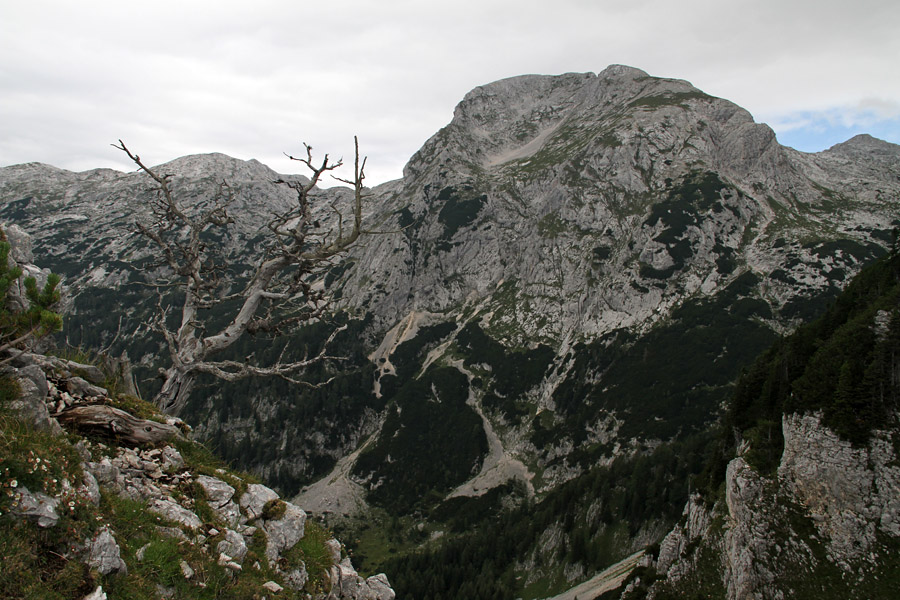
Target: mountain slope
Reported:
[(807, 504)]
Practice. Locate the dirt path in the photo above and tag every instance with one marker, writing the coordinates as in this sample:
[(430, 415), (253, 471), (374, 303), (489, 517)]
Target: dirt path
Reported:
[(608, 580)]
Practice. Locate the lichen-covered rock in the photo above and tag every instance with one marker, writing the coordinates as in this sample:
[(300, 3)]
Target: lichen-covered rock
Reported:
[(31, 407), (380, 587), (217, 491), (295, 578), (334, 550), (168, 508), (233, 545), (104, 554), (89, 488), (255, 498), (35, 506), (104, 470), (284, 532), (79, 387), (219, 496), (172, 460), (346, 584), (37, 375)]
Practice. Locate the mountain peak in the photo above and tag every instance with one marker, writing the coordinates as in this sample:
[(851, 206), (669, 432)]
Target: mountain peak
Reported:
[(567, 115), (234, 169), (623, 72), (866, 143)]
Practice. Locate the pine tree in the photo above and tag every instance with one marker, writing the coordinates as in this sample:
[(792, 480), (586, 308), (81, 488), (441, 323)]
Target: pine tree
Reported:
[(21, 328)]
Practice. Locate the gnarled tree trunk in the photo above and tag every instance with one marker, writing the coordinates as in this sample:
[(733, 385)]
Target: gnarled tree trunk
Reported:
[(115, 423)]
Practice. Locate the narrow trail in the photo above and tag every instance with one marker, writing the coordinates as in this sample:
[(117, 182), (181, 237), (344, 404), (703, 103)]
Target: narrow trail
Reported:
[(608, 580)]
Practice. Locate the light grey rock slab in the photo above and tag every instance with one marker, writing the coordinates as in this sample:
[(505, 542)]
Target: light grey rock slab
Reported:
[(97, 594), (272, 587), (379, 588), (295, 579), (104, 471), (283, 533), (89, 488), (233, 545), (172, 461), (35, 506), (217, 491), (334, 550), (79, 387), (255, 498), (31, 408), (104, 554), (171, 510)]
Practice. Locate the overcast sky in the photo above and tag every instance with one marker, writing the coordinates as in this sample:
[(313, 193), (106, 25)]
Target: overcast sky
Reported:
[(256, 78)]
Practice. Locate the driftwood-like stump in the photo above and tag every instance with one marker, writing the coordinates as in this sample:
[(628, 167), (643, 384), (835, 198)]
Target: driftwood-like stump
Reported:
[(115, 423)]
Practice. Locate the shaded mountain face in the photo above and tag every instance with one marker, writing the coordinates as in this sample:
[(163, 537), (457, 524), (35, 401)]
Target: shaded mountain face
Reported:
[(570, 276), (801, 499)]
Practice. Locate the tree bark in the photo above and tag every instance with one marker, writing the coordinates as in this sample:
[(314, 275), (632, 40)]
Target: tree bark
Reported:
[(115, 423), (175, 390)]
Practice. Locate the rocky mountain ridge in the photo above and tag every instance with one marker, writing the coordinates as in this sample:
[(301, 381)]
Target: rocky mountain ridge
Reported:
[(550, 189)]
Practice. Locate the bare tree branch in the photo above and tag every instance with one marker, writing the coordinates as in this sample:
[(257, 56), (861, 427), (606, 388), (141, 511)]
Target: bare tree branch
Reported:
[(297, 254)]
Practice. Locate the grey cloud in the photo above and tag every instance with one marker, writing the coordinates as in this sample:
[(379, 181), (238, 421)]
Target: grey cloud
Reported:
[(256, 80)]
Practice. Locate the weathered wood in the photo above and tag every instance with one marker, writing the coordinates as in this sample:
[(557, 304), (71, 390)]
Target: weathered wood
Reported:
[(116, 423)]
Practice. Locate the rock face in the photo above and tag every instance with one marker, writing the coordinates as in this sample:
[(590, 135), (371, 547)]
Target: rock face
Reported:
[(696, 525), (549, 183), (853, 494), (826, 521)]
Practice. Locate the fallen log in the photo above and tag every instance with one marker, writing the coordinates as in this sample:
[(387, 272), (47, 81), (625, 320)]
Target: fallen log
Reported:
[(116, 423)]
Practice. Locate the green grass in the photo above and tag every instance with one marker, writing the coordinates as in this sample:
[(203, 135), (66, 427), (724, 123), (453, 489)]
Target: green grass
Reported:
[(34, 565), (679, 99), (311, 550), (550, 226)]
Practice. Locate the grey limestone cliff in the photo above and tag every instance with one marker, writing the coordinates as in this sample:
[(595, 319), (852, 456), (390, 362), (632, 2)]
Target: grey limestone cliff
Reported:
[(825, 523)]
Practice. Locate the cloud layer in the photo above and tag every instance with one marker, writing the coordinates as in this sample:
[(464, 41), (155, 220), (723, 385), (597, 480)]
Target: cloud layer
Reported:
[(254, 80)]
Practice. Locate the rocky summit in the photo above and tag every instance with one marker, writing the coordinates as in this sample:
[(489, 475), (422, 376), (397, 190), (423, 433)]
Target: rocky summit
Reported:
[(545, 324)]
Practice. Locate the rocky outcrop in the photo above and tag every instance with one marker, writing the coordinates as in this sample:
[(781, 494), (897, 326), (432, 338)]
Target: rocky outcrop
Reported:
[(104, 554), (852, 494), (828, 518), (694, 525), (157, 478), (348, 584), (748, 541)]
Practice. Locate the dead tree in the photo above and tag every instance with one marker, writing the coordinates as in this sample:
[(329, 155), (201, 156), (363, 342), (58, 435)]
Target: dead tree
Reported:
[(115, 423), (286, 276)]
